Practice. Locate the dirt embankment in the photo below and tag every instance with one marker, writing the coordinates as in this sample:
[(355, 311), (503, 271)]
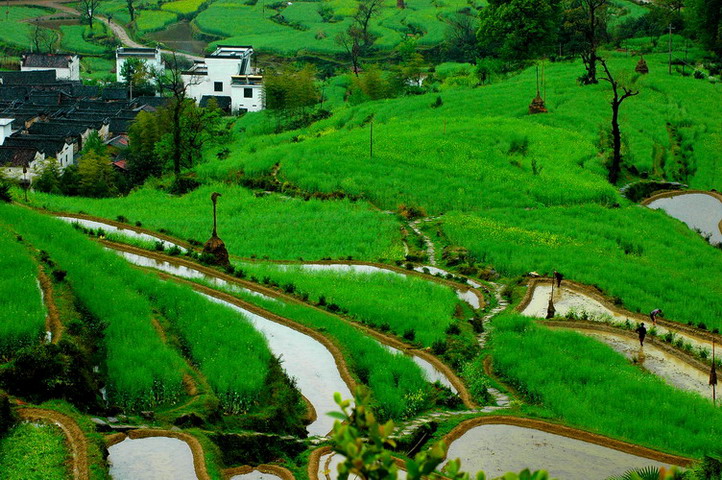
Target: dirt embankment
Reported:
[(52, 320), (276, 470), (199, 457), (569, 432), (331, 346), (607, 303), (76, 440)]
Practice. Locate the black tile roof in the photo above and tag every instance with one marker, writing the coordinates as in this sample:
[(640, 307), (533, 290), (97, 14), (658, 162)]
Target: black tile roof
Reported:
[(46, 60), (39, 77), (58, 129), (16, 156), (46, 144)]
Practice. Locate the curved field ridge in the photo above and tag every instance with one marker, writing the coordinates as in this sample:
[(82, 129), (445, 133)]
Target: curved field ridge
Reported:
[(275, 470), (572, 433), (471, 288), (600, 304), (52, 321), (708, 225), (199, 458), (385, 339), (322, 465), (77, 442), (674, 366)]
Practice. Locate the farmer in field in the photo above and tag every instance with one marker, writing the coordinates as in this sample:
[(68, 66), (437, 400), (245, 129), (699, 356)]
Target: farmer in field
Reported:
[(653, 315), (642, 332), (558, 277)]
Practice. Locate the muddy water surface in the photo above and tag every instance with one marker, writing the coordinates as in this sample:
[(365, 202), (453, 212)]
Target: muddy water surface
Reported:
[(700, 211), (256, 475), (120, 231), (308, 361), (154, 458), (498, 449), (668, 367), (328, 467)]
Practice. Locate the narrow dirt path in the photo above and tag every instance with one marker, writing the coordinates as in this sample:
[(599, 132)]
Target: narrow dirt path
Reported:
[(52, 320), (117, 29), (77, 442)]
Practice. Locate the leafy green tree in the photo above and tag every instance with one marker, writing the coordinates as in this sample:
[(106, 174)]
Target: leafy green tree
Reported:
[(5, 195), (584, 29), (94, 144), (519, 29), (704, 18), (70, 181), (291, 91), (97, 178), (49, 179), (144, 133), (137, 75), (460, 41), (366, 445)]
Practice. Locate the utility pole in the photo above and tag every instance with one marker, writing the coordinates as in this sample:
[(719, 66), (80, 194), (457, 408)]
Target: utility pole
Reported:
[(371, 141), (670, 49)]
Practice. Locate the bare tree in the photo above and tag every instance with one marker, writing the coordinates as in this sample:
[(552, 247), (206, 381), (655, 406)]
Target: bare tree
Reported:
[(365, 11), (43, 39), (131, 9), (89, 7), (593, 27), (350, 40), (626, 92)]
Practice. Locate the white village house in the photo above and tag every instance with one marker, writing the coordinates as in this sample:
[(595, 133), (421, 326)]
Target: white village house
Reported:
[(151, 57), (226, 75), (67, 67)]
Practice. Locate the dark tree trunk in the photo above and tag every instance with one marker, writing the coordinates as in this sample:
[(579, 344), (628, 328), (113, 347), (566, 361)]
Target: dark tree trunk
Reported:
[(616, 166), (400, 4)]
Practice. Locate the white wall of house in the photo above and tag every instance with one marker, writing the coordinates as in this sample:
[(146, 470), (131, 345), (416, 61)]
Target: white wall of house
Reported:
[(66, 156), (152, 59), (246, 97), (70, 73), (5, 129), (34, 169)]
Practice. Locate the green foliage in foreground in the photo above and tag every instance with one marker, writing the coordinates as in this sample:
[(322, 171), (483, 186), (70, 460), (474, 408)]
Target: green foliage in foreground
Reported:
[(382, 300), (34, 452), (21, 305), (588, 385), (266, 226), (367, 447), (639, 255), (397, 383)]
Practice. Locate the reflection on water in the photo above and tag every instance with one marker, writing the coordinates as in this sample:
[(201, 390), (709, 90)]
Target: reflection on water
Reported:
[(153, 458), (698, 210), (89, 224), (498, 449), (255, 475)]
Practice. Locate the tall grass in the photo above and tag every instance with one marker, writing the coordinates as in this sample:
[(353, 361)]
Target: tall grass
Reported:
[(33, 450), (21, 305), (588, 385), (382, 300), (250, 226), (642, 256), (397, 383), (142, 370)]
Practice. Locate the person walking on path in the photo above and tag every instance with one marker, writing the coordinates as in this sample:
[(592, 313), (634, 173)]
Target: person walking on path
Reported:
[(654, 314), (642, 332), (558, 277)]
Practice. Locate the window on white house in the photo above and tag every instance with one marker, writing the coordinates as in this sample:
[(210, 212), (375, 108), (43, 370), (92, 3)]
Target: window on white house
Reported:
[(217, 86), (247, 93)]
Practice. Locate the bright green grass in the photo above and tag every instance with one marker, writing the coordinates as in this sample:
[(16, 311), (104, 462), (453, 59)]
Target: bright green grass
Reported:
[(269, 226), (73, 39), (142, 371), (641, 256), (588, 385), (397, 383), (13, 30), (184, 7), (154, 20), (381, 299), (470, 167), (21, 304), (34, 452), (97, 68)]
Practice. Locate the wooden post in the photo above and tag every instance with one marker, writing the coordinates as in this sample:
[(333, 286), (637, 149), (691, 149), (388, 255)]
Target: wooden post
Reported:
[(214, 198)]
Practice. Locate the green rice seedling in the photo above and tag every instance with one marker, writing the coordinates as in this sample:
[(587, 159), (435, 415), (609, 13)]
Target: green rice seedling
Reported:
[(590, 244), (374, 298), (588, 385), (21, 304), (397, 383), (142, 371), (30, 448), (251, 226)]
